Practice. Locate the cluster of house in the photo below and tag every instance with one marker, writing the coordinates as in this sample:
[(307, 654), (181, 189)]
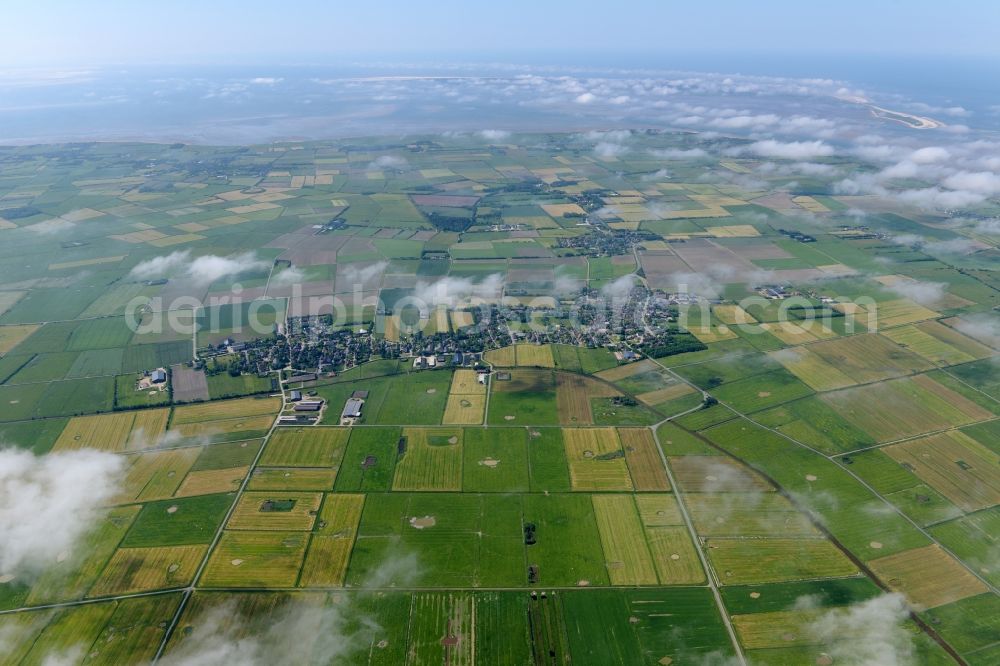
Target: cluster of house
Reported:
[(433, 360), (774, 292)]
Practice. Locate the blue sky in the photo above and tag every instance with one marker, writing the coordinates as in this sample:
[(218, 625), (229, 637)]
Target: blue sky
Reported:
[(62, 32)]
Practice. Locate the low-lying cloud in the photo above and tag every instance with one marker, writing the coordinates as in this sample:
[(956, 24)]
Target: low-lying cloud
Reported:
[(388, 162), (452, 291), (202, 270), (871, 632), (791, 150), (49, 503)]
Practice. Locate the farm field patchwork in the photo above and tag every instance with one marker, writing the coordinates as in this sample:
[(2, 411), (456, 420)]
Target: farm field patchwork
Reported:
[(830, 436)]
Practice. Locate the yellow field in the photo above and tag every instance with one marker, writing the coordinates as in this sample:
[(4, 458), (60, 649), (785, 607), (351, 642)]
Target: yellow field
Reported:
[(292, 478), (643, 459), (596, 460), (225, 409), (777, 629), (674, 556), (901, 311), (573, 394), (708, 474), (461, 319), (207, 428), (928, 576), (732, 314), (856, 359), (789, 333), (175, 240), (810, 204), (250, 515), (660, 510), (139, 236), (623, 371), (155, 475), (140, 569), (713, 211), (625, 551), (812, 369), (535, 356), (503, 357), (746, 514), (433, 460), (86, 262), (465, 382), (252, 208), (902, 407), (438, 321), (709, 334), (464, 410), (938, 343), (660, 396), (147, 428), (206, 482), (9, 299), (557, 210), (330, 548), (735, 167), (106, 432), (972, 485), (746, 561), (256, 559), (733, 231)]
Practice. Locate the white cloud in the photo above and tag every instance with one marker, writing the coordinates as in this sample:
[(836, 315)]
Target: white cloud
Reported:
[(494, 134), (871, 632), (452, 291), (49, 503), (924, 293), (934, 198), (160, 266), (585, 98), (620, 288), (388, 162), (983, 327), (206, 270), (289, 276), (985, 183), (609, 149), (678, 153), (930, 155), (792, 150), (334, 632), (757, 122), (202, 270), (353, 277)]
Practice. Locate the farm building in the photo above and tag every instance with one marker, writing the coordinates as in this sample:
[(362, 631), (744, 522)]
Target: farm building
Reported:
[(306, 377), (352, 409), (158, 376), (296, 396), (308, 406)]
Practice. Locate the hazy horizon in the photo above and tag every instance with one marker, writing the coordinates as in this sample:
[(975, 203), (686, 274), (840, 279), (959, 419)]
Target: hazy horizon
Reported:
[(115, 31)]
